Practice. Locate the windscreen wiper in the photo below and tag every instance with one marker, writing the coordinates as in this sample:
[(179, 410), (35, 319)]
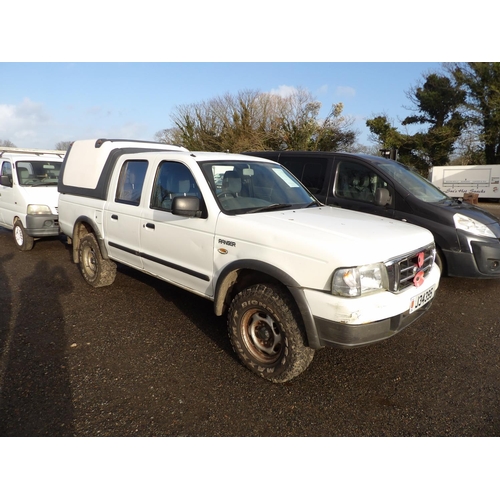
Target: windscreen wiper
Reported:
[(269, 208)]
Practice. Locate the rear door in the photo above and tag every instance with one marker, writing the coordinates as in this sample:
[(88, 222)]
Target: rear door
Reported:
[(122, 219), (312, 170)]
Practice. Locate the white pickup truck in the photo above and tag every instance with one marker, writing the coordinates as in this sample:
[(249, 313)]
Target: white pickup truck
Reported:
[(292, 274)]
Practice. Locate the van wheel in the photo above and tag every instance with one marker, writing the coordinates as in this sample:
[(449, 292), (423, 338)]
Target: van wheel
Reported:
[(96, 270), (265, 333), (23, 240)]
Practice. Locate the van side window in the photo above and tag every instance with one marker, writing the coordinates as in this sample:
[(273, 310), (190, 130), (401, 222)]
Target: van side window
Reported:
[(131, 181), (357, 182), (310, 171), (172, 179), (7, 170)]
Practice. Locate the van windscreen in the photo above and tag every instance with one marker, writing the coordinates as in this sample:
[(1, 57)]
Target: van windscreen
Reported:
[(413, 182)]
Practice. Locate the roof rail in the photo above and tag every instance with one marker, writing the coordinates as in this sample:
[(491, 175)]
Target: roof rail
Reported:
[(5, 149)]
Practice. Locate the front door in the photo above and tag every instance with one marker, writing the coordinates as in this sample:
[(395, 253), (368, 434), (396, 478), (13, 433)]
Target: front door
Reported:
[(176, 248), (6, 196), (355, 188)]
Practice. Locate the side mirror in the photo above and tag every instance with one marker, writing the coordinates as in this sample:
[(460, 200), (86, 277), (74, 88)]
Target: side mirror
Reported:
[(186, 206), (382, 197), (6, 180)]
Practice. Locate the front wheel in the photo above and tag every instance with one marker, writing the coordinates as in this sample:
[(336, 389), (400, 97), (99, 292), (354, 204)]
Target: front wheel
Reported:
[(23, 240), (265, 333), (96, 270), (440, 262)]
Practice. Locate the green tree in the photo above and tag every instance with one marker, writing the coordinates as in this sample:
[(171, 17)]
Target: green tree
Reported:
[(481, 83), (387, 137), (252, 120), (437, 102)]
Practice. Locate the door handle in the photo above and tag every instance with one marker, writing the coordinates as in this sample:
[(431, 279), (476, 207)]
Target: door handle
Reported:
[(114, 217), (150, 225)]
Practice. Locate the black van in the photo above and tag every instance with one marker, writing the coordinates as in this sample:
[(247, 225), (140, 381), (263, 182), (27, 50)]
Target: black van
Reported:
[(467, 237)]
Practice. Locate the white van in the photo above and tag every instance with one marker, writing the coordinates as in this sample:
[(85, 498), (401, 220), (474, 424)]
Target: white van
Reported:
[(28, 193)]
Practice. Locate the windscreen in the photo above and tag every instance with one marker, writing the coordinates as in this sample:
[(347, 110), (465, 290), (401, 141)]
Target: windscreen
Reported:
[(244, 187), (412, 181), (38, 173)]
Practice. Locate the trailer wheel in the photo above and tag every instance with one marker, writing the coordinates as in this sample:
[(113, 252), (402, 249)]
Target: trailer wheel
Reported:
[(23, 240), (96, 270), (265, 332)]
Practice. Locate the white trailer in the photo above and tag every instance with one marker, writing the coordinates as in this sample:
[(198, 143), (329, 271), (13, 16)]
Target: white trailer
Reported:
[(456, 180)]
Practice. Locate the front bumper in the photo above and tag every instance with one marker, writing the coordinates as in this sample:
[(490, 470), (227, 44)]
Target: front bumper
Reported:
[(39, 226), (483, 262), (352, 322), (341, 335)]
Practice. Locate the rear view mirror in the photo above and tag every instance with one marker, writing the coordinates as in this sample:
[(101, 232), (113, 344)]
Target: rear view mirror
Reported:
[(6, 180), (186, 206), (382, 197)]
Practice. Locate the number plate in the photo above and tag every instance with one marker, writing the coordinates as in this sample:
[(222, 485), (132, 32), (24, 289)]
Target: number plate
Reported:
[(421, 299)]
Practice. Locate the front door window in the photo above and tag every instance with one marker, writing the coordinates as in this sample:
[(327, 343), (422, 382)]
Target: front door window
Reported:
[(358, 182)]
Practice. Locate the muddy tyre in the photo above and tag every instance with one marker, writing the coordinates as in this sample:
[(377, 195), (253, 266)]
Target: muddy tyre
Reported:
[(96, 270), (266, 333), (23, 240)]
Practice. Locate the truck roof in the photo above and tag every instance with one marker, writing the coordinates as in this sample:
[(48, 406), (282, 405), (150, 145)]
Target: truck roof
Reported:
[(88, 164)]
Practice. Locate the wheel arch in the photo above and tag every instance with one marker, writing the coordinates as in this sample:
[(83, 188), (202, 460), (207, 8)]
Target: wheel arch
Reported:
[(83, 226), (241, 274), (441, 261)]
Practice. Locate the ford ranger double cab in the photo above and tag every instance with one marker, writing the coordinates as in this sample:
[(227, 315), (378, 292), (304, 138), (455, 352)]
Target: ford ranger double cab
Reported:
[(28, 193), (292, 275)]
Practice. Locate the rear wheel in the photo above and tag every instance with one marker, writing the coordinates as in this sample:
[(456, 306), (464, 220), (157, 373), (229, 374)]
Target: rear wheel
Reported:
[(265, 332), (23, 240), (96, 270)]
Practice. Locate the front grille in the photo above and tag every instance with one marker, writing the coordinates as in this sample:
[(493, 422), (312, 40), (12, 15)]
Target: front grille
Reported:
[(403, 270)]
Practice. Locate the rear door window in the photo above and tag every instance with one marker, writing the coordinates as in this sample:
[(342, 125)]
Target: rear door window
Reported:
[(130, 183), (312, 172)]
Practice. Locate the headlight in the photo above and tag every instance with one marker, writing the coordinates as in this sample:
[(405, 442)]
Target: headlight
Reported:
[(355, 281), (472, 226), (38, 210)]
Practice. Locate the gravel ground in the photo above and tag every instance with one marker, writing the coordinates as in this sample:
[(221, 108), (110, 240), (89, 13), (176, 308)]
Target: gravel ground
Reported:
[(143, 358)]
